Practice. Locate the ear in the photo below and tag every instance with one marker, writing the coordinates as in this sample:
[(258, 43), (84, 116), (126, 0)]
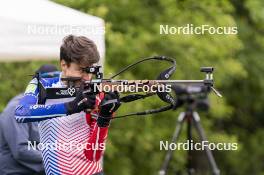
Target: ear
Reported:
[(63, 65)]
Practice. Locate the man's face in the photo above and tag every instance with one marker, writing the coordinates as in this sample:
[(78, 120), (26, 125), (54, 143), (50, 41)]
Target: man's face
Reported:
[(74, 70)]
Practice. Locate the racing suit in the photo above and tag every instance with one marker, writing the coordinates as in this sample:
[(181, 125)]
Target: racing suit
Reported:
[(70, 144)]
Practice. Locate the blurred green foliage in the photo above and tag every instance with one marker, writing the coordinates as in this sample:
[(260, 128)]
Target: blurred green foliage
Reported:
[(132, 32)]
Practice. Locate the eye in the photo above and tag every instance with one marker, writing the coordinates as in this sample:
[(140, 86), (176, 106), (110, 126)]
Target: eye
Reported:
[(82, 70)]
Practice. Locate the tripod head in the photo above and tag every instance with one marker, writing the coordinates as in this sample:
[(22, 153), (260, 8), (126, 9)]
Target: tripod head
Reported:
[(209, 75), (209, 80), (195, 97)]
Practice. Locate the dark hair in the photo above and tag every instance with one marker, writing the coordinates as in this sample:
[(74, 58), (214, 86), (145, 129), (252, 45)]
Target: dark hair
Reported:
[(79, 49)]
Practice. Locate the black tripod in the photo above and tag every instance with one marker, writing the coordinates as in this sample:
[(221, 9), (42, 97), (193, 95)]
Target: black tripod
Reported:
[(192, 118)]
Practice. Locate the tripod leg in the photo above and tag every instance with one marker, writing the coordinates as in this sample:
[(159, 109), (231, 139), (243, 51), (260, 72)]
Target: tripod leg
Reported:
[(202, 136), (190, 167), (164, 168)]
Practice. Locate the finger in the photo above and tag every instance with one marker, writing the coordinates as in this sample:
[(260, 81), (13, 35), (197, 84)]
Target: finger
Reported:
[(82, 86), (92, 100), (117, 94), (107, 97), (114, 95), (91, 95)]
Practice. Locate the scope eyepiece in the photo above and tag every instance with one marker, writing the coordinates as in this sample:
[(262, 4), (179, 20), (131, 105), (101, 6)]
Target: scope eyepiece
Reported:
[(96, 70), (207, 69), (92, 69)]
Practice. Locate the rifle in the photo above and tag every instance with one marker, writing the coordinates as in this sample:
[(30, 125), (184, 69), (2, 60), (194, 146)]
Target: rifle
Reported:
[(182, 89)]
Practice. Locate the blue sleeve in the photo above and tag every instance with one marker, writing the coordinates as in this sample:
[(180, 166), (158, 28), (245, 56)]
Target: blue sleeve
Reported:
[(29, 110)]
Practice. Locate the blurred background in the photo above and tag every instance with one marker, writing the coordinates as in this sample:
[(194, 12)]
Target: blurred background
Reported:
[(132, 32)]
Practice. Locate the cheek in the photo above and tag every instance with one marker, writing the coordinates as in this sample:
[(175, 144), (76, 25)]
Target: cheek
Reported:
[(73, 73)]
